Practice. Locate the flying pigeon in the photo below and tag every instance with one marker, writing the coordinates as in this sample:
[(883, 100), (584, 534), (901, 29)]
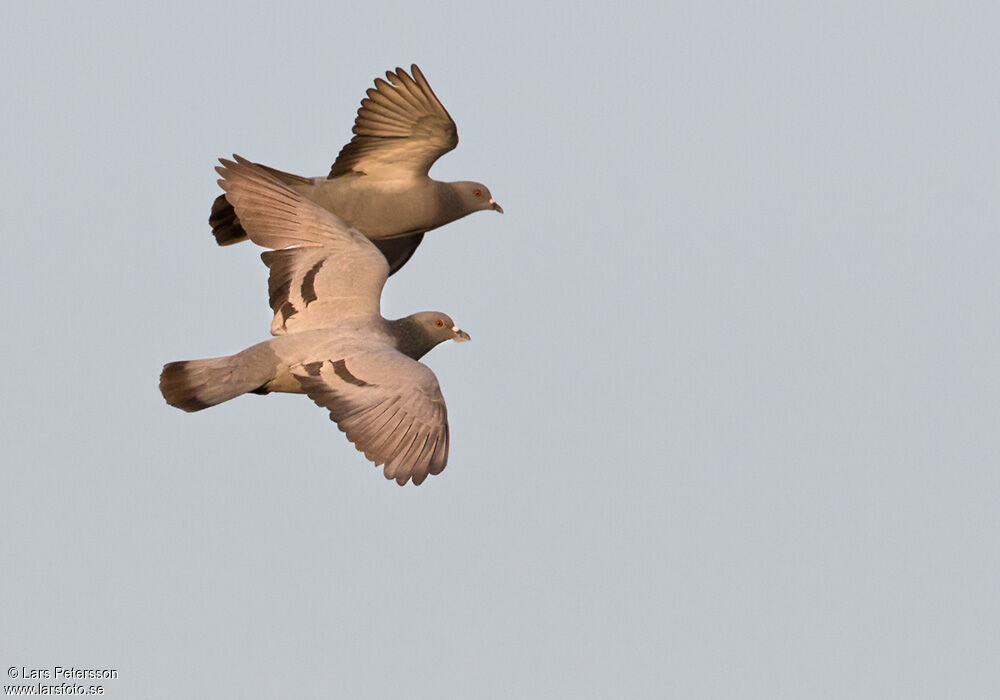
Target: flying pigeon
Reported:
[(379, 183), (332, 342)]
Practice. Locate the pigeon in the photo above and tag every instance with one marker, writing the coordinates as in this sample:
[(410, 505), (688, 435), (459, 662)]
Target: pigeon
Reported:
[(379, 182), (331, 341)]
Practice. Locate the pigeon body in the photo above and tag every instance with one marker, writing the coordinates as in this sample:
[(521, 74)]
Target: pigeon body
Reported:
[(332, 342), (379, 183)]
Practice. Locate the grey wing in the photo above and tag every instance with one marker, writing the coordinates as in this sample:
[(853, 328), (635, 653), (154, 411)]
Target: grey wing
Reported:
[(320, 268), (389, 405), (400, 130)]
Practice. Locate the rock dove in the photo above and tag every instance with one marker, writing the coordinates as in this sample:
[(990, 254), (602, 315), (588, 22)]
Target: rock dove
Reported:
[(379, 183), (332, 342)]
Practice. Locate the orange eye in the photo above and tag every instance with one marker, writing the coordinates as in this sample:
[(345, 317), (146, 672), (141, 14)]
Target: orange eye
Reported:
[(439, 323), (478, 192)]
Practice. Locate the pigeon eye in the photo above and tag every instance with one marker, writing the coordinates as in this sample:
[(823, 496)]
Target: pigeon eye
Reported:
[(439, 323), (478, 192)]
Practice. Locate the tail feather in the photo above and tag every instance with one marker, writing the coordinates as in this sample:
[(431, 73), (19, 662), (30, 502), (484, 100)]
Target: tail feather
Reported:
[(226, 226), (193, 385)]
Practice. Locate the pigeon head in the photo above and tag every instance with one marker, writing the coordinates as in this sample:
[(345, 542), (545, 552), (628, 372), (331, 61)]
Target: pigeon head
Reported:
[(439, 326), (476, 196), (418, 333)]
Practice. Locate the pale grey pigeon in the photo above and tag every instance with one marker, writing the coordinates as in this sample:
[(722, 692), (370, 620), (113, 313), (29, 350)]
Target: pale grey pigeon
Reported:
[(379, 182), (332, 342)]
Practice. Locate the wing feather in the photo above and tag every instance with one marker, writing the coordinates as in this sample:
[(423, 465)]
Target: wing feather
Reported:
[(321, 270), (394, 412), (404, 468), (392, 468), (400, 131)]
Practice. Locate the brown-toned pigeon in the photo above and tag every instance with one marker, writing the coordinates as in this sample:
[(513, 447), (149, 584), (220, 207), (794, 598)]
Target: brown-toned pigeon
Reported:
[(332, 342), (379, 182)]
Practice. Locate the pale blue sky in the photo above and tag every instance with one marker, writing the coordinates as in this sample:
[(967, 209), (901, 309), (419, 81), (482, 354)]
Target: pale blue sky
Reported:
[(728, 426)]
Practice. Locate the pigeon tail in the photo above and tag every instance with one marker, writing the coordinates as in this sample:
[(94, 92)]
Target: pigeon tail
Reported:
[(193, 385), (226, 226)]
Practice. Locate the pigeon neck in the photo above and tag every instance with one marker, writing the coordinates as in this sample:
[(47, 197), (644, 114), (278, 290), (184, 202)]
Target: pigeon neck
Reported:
[(452, 206), (411, 338)]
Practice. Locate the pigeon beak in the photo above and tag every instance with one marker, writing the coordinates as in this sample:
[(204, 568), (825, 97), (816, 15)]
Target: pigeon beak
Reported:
[(460, 335), (496, 207)]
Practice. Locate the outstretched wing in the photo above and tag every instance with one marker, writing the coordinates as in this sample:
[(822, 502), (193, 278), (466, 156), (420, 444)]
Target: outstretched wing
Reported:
[(322, 270), (400, 130), (389, 405)]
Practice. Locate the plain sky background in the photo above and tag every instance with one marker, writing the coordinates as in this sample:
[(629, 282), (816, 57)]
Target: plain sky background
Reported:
[(728, 426)]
